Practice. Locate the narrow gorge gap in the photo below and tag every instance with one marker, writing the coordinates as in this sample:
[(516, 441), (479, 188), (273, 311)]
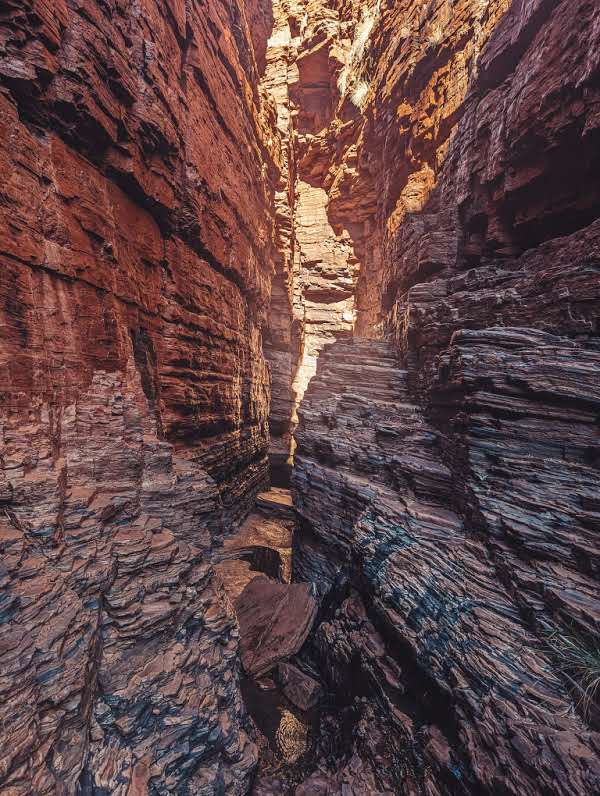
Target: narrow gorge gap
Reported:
[(299, 316)]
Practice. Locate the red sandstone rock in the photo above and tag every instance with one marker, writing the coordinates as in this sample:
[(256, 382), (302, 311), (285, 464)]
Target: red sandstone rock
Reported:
[(379, 497), (302, 690), (427, 170)]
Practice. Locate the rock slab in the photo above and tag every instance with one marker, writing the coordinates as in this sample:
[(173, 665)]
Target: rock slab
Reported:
[(275, 619)]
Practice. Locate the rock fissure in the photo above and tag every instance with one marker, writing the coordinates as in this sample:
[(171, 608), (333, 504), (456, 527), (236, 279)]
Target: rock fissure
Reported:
[(299, 314)]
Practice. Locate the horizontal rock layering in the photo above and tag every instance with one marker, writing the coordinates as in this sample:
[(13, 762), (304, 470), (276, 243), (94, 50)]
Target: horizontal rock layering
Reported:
[(385, 523), (186, 178), (451, 503), (137, 246)]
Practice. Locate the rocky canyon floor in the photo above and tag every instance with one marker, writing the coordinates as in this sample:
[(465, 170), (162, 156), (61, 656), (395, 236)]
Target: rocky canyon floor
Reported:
[(300, 397)]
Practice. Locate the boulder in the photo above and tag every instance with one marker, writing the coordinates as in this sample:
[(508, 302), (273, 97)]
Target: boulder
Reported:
[(275, 619), (302, 690)]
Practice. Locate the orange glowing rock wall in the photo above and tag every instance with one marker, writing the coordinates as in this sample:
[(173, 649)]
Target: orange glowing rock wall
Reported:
[(139, 166)]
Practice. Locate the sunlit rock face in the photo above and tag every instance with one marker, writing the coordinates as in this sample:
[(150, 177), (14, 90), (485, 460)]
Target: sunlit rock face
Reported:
[(313, 298), (367, 95), (450, 500), (140, 165)]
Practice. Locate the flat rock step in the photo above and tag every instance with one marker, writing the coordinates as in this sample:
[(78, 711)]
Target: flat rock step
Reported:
[(276, 502)]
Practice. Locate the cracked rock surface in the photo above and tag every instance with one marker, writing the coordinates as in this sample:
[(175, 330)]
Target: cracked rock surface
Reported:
[(429, 597), (137, 246), (356, 238)]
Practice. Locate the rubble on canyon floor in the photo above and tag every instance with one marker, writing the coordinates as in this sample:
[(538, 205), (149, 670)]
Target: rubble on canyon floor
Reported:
[(350, 243)]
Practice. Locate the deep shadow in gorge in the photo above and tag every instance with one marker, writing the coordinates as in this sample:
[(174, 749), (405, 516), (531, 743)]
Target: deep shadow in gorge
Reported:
[(299, 420)]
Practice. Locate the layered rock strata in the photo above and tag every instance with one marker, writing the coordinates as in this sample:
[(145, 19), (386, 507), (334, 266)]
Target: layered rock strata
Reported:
[(275, 616), (313, 296), (138, 246), (462, 155), (283, 334), (263, 543), (427, 171), (275, 619), (417, 151), (326, 62), (430, 627)]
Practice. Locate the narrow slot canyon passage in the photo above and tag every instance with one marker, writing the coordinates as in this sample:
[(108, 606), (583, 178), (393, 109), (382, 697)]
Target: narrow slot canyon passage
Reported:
[(300, 407)]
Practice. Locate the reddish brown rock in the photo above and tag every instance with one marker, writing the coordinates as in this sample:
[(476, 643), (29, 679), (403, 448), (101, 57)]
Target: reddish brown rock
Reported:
[(137, 243), (187, 184), (276, 502), (302, 690), (275, 619), (263, 543), (461, 157), (313, 297), (438, 620)]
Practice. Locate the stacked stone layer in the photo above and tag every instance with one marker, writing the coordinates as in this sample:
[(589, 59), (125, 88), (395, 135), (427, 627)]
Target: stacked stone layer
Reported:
[(137, 243), (184, 179), (464, 513), (382, 492)]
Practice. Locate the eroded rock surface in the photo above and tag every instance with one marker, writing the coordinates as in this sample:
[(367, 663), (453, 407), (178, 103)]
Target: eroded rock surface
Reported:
[(137, 245), (199, 199), (275, 619), (262, 544), (386, 520), (300, 688), (450, 502)]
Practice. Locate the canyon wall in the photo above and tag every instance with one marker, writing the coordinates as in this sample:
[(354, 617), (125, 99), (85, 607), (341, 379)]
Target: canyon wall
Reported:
[(359, 157), (450, 503), (138, 246), (313, 298), (379, 219)]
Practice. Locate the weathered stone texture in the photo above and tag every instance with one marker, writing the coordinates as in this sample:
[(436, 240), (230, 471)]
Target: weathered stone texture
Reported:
[(371, 479), (138, 246), (189, 181), (275, 619), (313, 298), (458, 501)]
